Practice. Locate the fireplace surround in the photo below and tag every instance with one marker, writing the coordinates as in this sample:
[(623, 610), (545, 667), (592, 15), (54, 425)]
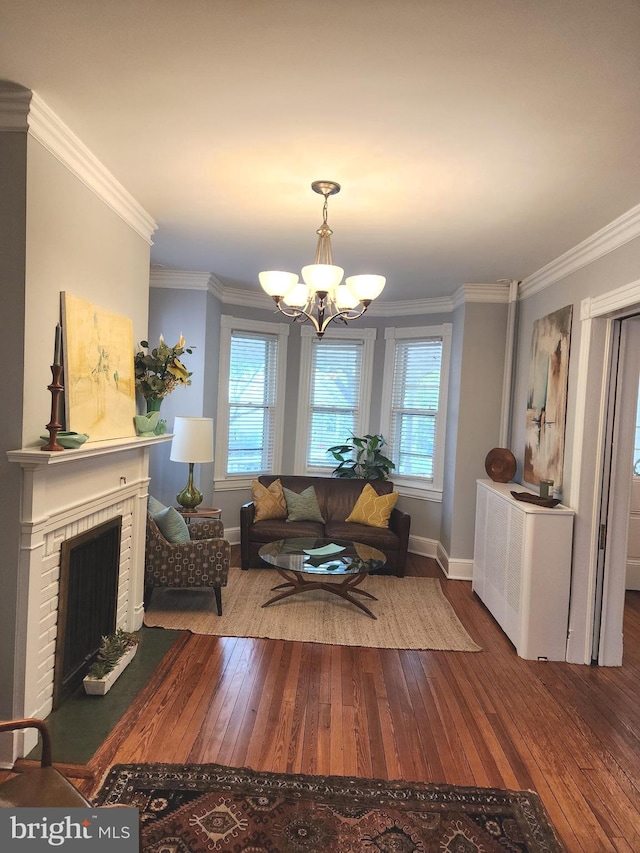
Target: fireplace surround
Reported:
[(87, 598), (64, 495)]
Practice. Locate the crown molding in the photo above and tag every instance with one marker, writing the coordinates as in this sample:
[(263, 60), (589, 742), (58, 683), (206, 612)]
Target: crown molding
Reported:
[(59, 140), (436, 305), (184, 280), (179, 279), (24, 110), (612, 236), (494, 293), (14, 107), (247, 298)]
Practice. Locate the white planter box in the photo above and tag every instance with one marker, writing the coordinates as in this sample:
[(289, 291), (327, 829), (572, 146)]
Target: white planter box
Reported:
[(100, 686)]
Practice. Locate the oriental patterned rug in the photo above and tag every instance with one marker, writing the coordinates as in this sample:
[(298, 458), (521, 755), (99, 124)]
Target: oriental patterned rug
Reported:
[(207, 807)]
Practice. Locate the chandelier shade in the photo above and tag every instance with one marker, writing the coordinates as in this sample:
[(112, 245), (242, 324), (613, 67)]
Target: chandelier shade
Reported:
[(277, 282), (322, 296), (322, 277), (365, 287)]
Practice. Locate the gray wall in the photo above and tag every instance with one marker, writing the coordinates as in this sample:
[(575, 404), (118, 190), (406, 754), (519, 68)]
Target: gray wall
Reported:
[(57, 235), (75, 243), (613, 270), (167, 303), (13, 176), (473, 418), (172, 313)]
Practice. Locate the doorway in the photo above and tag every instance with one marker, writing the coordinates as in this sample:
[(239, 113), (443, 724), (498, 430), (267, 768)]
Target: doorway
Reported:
[(617, 468), (599, 573)]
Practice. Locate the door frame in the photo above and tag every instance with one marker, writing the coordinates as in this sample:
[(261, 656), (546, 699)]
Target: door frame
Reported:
[(616, 490), (597, 335)]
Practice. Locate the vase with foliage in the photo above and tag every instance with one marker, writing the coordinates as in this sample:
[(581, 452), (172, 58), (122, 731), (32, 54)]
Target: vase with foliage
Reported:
[(362, 458), (115, 653), (159, 371)]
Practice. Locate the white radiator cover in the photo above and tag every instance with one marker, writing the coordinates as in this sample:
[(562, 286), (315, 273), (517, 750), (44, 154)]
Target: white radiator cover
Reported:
[(522, 568)]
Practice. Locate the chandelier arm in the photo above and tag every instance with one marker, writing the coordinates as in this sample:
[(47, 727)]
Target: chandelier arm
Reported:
[(347, 314), (293, 313), (297, 314)]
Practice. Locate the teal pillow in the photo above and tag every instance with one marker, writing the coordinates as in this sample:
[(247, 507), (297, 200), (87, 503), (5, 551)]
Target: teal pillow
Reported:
[(155, 506), (303, 506), (172, 525)]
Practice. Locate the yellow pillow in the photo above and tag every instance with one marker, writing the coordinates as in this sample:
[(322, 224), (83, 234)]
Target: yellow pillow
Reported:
[(373, 509), (268, 502)]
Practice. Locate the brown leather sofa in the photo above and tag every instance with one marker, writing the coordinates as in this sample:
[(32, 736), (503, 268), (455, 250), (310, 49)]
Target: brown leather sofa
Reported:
[(336, 499)]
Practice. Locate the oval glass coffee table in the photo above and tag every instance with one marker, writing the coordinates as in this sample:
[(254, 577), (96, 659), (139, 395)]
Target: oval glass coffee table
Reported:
[(350, 562)]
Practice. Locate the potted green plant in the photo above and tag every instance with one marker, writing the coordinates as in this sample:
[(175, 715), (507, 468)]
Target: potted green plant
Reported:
[(115, 653), (362, 458)]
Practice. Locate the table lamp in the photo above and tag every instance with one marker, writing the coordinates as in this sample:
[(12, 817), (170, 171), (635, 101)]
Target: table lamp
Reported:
[(192, 442)]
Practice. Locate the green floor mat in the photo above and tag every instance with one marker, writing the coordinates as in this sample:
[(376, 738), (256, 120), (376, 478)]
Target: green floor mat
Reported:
[(82, 723)]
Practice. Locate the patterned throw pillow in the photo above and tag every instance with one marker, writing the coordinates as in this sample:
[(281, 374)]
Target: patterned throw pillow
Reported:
[(268, 502), (303, 506), (172, 525), (373, 509)]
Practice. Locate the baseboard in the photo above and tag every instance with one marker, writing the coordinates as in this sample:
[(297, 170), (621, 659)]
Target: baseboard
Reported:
[(232, 535), (423, 546), (633, 574), (454, 568)]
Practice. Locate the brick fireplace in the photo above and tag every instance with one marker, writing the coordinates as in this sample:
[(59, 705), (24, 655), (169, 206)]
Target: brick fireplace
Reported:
[(63, 495)]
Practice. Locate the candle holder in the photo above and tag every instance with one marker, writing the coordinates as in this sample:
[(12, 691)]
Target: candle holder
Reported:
[(54, 426)]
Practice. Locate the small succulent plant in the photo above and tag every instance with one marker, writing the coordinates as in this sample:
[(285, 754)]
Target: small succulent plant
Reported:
[(111, 649)]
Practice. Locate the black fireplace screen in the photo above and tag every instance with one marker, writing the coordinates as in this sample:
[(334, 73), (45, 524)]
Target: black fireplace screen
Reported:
[(89, 571)]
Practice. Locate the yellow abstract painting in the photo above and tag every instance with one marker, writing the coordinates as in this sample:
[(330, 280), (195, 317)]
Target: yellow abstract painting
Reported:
[(99, 380)]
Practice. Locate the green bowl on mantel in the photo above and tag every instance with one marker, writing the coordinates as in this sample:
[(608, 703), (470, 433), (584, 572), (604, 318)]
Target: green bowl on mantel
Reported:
[(68, 440)]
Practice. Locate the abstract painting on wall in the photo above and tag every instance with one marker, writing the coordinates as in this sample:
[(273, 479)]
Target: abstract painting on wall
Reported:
[(98, 370), (547, 398)]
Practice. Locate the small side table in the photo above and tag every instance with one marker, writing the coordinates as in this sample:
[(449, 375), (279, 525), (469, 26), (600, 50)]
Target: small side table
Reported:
[(200, 512)]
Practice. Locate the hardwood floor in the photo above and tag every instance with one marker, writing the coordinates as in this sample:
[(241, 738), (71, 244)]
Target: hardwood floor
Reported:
[(489, 718)]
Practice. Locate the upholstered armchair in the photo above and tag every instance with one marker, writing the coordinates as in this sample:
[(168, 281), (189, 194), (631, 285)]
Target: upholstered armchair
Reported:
[(201, 562)]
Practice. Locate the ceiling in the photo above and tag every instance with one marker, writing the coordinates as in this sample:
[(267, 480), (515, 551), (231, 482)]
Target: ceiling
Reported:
[(474, 139)]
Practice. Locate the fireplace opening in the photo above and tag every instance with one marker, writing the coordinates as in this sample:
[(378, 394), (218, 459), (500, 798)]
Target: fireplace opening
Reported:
[(87, 603)]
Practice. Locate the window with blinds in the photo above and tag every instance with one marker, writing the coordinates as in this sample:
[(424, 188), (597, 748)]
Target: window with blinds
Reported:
[(336, 370), (252, 399), (414, 406)]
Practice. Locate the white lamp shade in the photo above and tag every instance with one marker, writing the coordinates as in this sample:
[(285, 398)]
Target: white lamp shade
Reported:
[(277, 282), (322, 276), (345, 298), (366, 286), (298, 296), (192, 440)]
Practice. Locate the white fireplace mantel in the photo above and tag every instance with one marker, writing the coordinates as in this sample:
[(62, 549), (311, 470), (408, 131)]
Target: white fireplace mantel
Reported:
[(65, 493), (33, 457), (54, 481)]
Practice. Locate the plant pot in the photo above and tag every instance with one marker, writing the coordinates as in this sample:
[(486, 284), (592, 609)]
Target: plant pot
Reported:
[(100, 686)]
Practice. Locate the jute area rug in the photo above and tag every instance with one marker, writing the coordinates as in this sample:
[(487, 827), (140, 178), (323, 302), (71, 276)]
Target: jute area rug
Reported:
[(207, 807), (412, 613)]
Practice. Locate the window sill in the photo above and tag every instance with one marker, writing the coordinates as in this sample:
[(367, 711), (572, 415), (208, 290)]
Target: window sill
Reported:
[(421, 493), (235, 484)]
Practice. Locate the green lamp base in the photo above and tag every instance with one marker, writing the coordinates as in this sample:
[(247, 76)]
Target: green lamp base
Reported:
[(190, 497)]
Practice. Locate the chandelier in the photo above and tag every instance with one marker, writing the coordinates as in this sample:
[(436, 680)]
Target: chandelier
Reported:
[(322, 296)]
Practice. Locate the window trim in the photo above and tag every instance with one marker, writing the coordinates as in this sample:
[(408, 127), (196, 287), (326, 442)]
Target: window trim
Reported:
[(228, 325), (307, 335), (413, 486)]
